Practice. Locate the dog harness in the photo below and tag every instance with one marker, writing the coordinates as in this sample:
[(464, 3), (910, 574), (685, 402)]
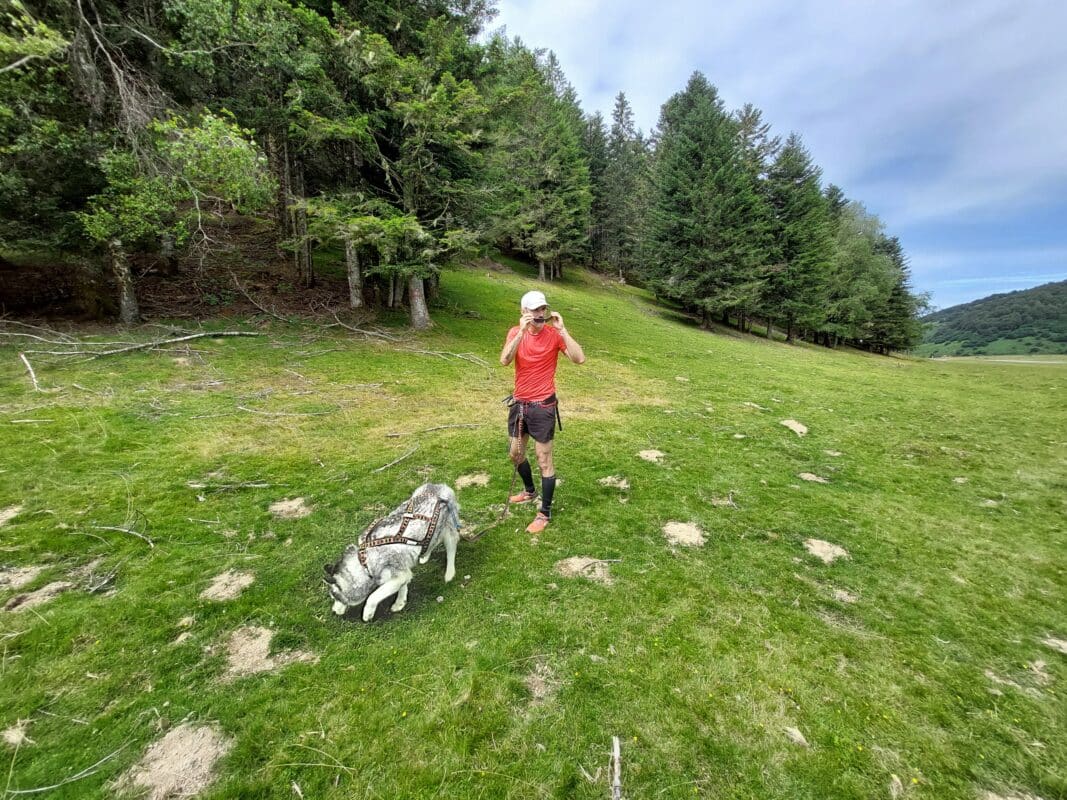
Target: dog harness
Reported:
[(423, 544)]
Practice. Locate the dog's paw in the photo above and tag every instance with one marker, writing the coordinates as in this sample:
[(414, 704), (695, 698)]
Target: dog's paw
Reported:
[(398, 605), (449, 575), (368, 614)]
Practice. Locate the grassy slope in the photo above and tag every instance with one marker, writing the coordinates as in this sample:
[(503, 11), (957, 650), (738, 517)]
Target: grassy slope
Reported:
[(697, 658)]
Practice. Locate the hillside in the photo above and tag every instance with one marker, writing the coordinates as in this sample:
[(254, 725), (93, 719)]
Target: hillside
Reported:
[(872, 605), (1016, 323)]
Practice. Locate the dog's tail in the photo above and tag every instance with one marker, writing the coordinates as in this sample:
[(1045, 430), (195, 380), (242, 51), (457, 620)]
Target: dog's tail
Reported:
[(446, 495)]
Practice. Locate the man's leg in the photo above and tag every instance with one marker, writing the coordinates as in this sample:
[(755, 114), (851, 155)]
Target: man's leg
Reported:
[(522, 465), (548, 475)]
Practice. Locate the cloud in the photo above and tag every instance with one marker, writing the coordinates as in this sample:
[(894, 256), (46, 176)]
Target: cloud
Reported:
[(931, 114)]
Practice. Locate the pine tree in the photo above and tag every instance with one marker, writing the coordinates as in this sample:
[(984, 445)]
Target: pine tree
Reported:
[(796, 288), (701, 247), (623, 198)]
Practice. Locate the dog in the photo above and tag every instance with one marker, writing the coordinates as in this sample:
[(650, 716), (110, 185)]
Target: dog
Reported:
[(380, 563)]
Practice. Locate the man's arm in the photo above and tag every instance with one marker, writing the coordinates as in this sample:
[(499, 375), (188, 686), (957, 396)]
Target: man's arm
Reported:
[(507, 355), (574, 350)]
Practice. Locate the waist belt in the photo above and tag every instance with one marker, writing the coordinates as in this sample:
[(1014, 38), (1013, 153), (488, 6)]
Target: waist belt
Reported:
[(549, 402)]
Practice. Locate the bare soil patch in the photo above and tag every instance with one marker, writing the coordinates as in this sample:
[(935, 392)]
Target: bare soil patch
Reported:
[(181, 764), (584, 567), (8, 514), (228, 585), (477, 479), (290, 509), (750, 404), (248, 652), (616, 481), (541, 683), (21, 602), (651, 455), (833, 453), (1013, 796), (799, 428), (86, 571), (808, 476), (685, 534), (1055, 644), (825, 551), (796, 737), (842, 596), (17, 577)]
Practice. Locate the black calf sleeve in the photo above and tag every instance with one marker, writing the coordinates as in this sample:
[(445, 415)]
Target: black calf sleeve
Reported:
[(548, 488), (527, 476)]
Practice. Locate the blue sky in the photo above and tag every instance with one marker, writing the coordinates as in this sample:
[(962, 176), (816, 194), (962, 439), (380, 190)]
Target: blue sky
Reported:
[(946, 118)]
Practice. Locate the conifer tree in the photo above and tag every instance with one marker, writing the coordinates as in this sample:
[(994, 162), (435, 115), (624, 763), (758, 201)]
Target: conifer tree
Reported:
[(796, 288)]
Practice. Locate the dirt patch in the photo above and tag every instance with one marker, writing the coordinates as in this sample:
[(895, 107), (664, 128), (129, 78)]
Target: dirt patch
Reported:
[(248, 652), (583, 567), (181, 764), (825, 551), (833, 453), (796, 737), (681, 379), (799, 428), (960, 480), (651, 455), (8, 514), (15, 736), (290, 509), (615, 481), (1055, 644), (17, 577), (749, 404), (1037, 670), (21, 602), (724, 502), (841, 596), (477, 479), (1013, 796), (228, 585), (808, 476), (86, 571), (685, 534), (541, 683)]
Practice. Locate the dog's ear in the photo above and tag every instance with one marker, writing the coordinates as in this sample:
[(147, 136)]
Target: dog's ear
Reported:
[(329, 569)]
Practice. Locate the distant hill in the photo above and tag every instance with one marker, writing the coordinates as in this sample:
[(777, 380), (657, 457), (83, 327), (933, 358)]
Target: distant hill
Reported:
[(1027, 321)]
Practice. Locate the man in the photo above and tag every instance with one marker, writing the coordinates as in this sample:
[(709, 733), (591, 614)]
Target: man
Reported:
[(534, 345)]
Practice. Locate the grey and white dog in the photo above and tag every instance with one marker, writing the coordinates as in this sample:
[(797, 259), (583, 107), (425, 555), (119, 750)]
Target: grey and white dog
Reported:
[(380, 563)]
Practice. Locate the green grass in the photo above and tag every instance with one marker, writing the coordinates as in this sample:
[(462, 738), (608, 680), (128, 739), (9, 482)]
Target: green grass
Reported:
[(696, 658)]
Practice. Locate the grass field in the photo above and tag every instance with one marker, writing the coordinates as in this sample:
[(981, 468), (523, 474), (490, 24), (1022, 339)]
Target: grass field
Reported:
[(924, 664)]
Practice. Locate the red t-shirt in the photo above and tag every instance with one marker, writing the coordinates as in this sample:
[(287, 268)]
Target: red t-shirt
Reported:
[(535, 362)]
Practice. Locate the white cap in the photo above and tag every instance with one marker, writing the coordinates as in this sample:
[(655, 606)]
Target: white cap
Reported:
[(532, 300)]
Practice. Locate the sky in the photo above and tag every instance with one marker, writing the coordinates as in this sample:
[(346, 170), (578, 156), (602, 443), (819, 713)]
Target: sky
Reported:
[(946, 118)]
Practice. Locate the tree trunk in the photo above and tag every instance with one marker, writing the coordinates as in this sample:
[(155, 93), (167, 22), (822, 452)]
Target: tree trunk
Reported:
[(726, 318), (166, 250), (770, 328), (789, 332), (433, 286), (355, 278), (540, 269), (392, 291), (420, 314), (305, 272), (128, 311), (278, 156)]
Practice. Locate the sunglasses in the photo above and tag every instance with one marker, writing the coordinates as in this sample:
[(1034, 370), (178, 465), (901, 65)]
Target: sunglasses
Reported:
[(541, 319)]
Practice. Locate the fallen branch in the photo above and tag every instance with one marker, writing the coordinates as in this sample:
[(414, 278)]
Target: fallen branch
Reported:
[(85, 773), (33, 375), (252, 300), (363, 331), (285, 413), (227, 487), (397, 461), (438, 428), (143, 345), (130, 531), (616, 760)]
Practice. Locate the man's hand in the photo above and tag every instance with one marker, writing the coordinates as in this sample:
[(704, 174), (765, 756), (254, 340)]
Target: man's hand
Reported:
[(525, 321), (556, 321)]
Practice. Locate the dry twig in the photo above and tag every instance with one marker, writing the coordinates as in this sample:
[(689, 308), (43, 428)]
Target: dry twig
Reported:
[(142, 345), (33, 375), (397, 461), (616, 761)]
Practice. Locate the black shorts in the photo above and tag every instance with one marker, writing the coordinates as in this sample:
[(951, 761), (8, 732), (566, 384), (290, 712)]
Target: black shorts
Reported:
[(538, 419)]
